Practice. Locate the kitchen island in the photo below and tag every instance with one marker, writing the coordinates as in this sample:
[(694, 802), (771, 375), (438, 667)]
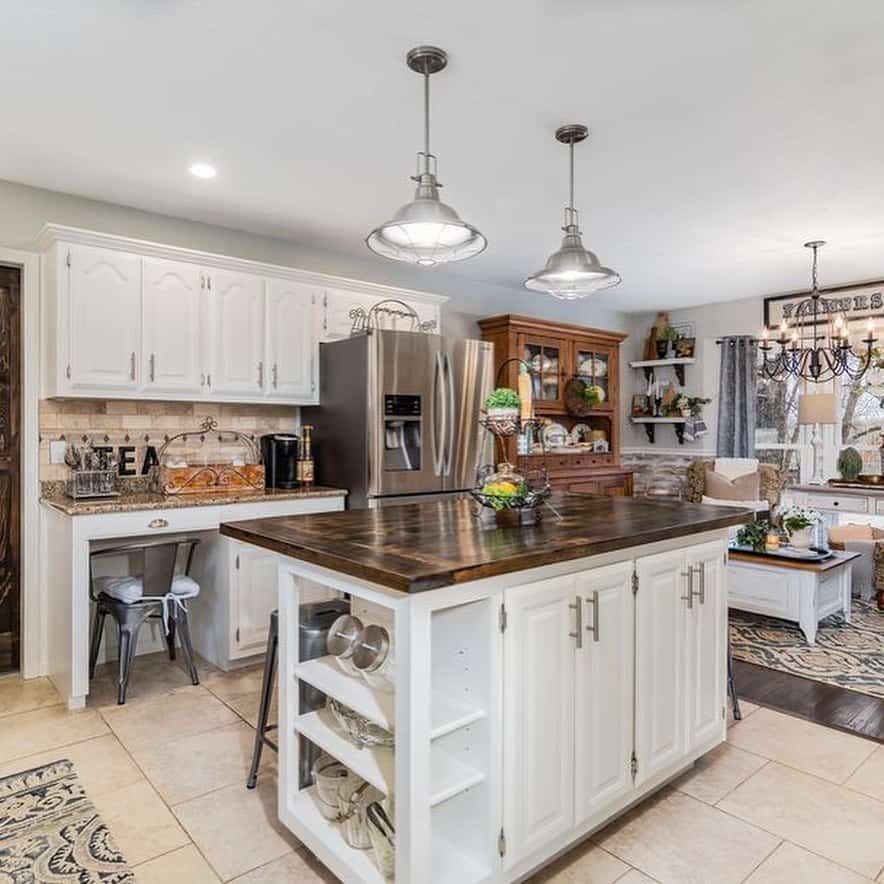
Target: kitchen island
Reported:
[(545, 678)]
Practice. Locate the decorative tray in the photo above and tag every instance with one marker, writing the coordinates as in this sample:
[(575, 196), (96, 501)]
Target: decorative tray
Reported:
[(813, 554)]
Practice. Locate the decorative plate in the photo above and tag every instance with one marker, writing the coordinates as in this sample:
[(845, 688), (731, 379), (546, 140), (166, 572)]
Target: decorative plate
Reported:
[(579, 432), (554, 435)]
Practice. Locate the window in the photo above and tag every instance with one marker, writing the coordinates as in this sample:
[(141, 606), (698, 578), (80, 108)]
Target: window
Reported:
[(778, 436)]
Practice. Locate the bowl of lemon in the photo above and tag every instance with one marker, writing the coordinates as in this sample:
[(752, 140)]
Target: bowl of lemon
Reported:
[(513, 498)]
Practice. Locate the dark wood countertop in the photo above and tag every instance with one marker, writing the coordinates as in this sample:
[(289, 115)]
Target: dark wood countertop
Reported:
[(416, 547)]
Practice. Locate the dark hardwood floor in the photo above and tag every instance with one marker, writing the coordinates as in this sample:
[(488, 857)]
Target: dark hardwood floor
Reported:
[(850, 711)]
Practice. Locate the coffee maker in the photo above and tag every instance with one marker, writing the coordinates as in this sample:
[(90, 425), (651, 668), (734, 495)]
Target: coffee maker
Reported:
[(279, 451)]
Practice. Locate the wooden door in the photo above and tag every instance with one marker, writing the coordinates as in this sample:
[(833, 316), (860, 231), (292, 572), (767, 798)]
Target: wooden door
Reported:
[(538, 715), (237, 307), (291, 351), (254, 597), (171, 336), (10, 466), (604, 690), (547, 358), (660, 621), (706, 646), (104, 319)]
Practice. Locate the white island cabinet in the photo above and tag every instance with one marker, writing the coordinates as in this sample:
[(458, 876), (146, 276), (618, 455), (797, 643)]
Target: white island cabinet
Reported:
[(531, 704)]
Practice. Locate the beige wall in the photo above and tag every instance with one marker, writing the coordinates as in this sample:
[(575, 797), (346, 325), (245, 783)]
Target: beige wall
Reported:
[(127, 422)]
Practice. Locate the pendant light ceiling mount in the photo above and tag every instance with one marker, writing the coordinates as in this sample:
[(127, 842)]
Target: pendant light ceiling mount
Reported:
[(573, 271), (426, 231)]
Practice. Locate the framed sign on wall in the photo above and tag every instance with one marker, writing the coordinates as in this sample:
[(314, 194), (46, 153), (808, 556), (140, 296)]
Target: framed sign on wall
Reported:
[(856, 302)]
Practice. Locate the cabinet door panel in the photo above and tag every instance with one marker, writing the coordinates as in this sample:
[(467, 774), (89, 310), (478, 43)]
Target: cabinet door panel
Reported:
[(291, 352), (253, 599), (171, 311), (104, 318), (660, 663), (604, 689), (237, 305), (538, 715), (706, 652)]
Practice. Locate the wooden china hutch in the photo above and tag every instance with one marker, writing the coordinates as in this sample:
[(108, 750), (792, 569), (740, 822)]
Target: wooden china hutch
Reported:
[(557, 352)]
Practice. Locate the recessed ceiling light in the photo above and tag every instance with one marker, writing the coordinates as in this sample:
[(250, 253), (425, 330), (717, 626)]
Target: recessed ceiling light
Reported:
[(203, 170)]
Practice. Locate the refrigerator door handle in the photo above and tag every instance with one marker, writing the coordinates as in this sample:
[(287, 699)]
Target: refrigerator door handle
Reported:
[(439, 417), (450, 415)]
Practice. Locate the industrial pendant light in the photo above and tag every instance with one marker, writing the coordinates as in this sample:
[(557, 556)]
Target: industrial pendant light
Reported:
[(426, 231), (573, 271)]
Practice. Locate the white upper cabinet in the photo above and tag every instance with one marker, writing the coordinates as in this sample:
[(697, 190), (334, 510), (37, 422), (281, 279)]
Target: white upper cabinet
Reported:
[(292, 349), (340, 309), (101, 302), (237, 319), (124, 317), (171, 352)]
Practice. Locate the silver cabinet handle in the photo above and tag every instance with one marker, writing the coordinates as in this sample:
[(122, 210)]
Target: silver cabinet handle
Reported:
[(209, 379), (202, 379), (260, 374), (158, 523), (594, 627), (132, 366), (152, 367), (701, 570), (275, 376), (689, 598), (578, 610)]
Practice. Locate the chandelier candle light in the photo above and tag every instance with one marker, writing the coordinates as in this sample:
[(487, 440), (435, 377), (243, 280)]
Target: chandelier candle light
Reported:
[(426, 231), (573, 271), (816, 346)]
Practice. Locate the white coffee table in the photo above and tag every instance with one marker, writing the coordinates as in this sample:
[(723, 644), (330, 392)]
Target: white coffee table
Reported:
[(802, 592)]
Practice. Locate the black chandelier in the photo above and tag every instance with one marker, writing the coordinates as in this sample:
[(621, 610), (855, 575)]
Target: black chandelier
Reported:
[(815, 346)]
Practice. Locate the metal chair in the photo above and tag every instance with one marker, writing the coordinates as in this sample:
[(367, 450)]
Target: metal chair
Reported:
[(157, 602), (261, 738), (732, 685)]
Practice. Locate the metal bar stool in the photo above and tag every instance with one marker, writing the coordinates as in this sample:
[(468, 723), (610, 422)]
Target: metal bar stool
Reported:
[(731, 684), (261, 739), (153, 597)]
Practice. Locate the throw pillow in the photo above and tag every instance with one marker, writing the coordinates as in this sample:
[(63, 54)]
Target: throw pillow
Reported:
[(742, 488)]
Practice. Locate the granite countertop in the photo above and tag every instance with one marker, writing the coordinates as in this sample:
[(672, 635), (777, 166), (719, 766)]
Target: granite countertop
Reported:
[(149, 500), (423, 546)]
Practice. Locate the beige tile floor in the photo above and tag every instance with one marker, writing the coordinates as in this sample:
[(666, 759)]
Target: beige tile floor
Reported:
[(783, 801)]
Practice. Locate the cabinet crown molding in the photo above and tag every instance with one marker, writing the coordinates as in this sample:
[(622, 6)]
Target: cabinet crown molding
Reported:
[(52, 233)]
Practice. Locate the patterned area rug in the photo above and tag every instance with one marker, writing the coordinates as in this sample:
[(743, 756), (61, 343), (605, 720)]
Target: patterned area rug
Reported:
[(847, 655), (51, 834)]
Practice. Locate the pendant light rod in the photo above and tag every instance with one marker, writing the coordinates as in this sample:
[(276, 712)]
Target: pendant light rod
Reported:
[(426, 112)]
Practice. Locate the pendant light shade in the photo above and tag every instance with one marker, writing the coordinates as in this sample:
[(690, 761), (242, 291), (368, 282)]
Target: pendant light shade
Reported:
[(573, 271), (426, 231)]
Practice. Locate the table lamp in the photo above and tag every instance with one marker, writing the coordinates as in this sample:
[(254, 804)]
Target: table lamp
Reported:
[(815, 409)]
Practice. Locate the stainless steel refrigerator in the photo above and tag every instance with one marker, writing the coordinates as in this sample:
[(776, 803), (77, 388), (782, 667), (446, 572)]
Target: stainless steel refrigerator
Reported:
[(399, 415)]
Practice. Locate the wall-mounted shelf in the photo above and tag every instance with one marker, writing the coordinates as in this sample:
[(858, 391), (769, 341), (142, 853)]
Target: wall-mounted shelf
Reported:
[(678, 364), (650, 424)]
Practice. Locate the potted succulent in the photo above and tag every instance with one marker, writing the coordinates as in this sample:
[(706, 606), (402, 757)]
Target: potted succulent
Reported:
[(799, 523), (850, 464), (503, 404)]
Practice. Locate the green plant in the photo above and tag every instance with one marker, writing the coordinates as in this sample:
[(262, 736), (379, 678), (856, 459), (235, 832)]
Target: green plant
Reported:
[(668, 333), (797, 517), (592, 396), (754, 535), (850, 464), (503, 397)]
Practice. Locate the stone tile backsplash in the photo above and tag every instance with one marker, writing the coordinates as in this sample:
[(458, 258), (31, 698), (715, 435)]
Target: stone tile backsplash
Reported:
[(139, 424)]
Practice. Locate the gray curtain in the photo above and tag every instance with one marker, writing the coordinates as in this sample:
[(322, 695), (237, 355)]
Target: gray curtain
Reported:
[(736, 397)]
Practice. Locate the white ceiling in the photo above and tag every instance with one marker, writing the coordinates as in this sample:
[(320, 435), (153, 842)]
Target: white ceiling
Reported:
[(724, 133)]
